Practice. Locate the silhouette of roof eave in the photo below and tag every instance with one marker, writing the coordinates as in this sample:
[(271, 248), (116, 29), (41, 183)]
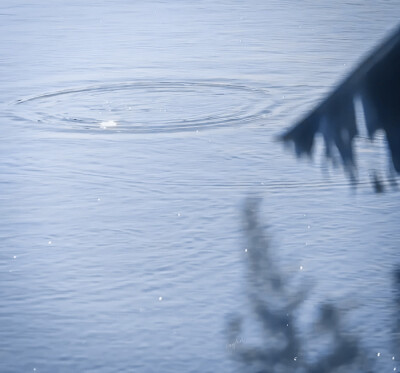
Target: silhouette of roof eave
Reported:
[(377, 80)]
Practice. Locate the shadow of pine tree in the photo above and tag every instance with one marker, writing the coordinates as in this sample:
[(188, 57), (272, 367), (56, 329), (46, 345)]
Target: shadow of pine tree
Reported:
[(275, 305)]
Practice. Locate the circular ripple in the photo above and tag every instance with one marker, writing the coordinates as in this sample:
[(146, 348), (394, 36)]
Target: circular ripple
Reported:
[(147, 107)]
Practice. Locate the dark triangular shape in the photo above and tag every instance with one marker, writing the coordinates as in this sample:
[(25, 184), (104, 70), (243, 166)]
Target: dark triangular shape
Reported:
[(377, 81)]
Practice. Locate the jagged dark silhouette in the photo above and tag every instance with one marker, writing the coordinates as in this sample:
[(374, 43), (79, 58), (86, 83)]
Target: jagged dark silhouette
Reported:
[(376, 82)]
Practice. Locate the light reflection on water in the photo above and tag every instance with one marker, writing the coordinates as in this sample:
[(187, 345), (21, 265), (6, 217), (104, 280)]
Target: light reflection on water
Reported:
[(122, 251)]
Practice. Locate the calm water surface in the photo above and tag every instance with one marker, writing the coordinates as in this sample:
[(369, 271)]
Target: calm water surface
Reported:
[(131, 134)]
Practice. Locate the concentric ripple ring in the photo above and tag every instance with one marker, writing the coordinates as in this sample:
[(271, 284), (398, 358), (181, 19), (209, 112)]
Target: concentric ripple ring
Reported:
[(147, 107)]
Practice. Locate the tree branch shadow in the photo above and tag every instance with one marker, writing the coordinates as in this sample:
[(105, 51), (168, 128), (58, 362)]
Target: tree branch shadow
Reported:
[(275, 304)]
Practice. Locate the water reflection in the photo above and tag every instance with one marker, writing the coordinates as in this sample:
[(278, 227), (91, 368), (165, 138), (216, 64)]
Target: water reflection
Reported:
[(280, 343)]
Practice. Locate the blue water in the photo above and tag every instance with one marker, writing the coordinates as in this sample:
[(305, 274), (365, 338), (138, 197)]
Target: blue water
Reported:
[(131, 134)]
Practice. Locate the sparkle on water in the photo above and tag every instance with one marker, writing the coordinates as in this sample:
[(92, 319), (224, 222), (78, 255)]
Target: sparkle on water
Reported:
[(108, 124)]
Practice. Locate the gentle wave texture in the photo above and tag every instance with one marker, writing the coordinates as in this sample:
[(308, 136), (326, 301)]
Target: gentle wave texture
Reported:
[(131, 133)]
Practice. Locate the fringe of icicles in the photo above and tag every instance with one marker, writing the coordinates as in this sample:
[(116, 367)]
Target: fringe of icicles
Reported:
[(376, 82)]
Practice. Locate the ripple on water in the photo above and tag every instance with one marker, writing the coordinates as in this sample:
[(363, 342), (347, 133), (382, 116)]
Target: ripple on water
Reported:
[(147, 107)]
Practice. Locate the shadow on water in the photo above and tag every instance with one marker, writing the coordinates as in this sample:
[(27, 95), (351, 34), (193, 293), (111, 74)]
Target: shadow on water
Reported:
[(276, 304)]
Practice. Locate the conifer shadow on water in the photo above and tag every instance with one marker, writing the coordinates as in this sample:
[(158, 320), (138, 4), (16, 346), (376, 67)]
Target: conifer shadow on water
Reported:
[(275, 304)]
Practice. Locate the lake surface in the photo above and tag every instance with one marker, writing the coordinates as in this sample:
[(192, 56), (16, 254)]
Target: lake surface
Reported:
[(131, 134)]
